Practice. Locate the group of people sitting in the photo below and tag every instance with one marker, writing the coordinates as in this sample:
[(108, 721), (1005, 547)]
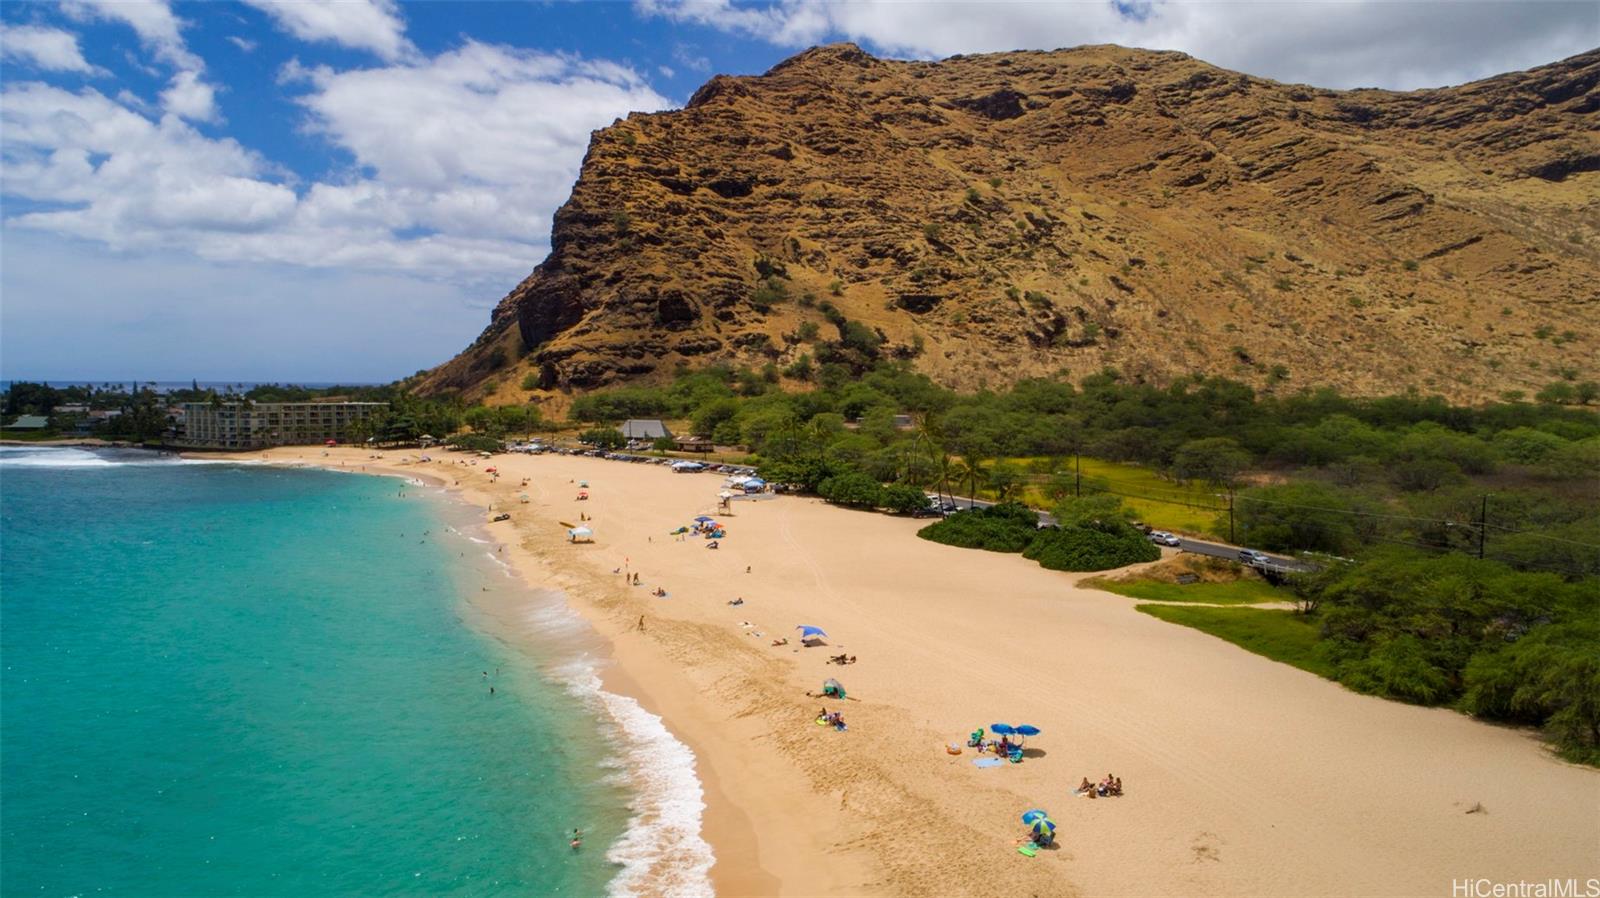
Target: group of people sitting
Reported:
[(1106, 788), (831, 718), (1003, 748), (841, 659)]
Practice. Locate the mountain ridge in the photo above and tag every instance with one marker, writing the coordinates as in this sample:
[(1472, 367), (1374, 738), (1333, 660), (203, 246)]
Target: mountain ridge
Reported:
[(992, 217)]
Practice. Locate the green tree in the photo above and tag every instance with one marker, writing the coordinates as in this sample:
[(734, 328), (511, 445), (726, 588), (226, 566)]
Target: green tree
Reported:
[(1218, 460), (603, 438)]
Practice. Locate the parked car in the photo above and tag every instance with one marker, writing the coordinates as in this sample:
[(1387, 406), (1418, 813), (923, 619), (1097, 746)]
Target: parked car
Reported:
[(1163, 538), (1253, 558)]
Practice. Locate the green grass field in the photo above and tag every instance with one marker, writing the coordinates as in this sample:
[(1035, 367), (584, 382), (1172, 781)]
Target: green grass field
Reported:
[(1239, 592), (1280, 635), (1162, 504)]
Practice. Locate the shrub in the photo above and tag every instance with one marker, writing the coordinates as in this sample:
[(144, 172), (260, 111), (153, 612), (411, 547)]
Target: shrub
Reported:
[(530, 381), (768, 294), (903, 498), (768, 267), (1086, 549), (854, 489), (1007, 527)]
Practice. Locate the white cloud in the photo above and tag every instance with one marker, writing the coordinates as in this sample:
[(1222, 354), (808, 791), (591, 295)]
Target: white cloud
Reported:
[(244, 44), (484, 137), (189, 97), (689, 57), (110, 174), (459, 161), (373, 25), (1330, 43), (46, 48), (153, 20)]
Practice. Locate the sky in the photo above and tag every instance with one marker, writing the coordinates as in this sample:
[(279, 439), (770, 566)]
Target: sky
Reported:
[(342, 191)]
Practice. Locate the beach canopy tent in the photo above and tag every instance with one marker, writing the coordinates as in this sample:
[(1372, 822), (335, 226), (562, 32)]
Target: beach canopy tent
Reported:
[(578, 534), (754, 484), (830, 686), (808, 632)]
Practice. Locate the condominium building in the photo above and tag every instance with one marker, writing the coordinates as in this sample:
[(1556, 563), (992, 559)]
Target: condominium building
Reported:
[(252, 425)]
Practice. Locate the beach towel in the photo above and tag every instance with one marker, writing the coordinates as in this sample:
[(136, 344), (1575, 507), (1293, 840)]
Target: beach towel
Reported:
[(1028, 850), (987, 762)]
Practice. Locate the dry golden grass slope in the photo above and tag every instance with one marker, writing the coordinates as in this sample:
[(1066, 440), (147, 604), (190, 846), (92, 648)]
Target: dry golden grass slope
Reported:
[(1020, 214)]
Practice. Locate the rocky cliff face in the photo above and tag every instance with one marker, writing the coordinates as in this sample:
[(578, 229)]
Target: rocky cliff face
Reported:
[(1000, 216)]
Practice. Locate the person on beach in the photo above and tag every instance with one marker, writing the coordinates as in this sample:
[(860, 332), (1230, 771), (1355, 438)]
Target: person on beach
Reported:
[(577, 839), (1084, 787), (641, 623)]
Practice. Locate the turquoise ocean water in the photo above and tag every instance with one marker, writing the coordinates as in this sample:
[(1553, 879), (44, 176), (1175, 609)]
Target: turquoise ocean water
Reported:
[(241, 680)]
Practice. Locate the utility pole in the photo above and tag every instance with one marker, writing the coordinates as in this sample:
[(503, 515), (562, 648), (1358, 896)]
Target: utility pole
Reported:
[(1077, 467), (1483, 526), (1230, 516)]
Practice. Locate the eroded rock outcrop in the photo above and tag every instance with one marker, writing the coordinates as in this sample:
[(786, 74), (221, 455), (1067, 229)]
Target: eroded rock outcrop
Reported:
[(1021, 214)]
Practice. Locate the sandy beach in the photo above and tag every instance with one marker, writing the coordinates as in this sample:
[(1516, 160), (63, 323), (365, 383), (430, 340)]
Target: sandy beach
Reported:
[(1243, 777)]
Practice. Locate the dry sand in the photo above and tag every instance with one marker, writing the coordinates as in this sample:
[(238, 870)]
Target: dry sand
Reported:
[(1244, 777)]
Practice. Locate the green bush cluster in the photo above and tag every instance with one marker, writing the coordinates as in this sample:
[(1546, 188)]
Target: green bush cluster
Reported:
[(1452, 629), (1007, 527), (1086, 549)]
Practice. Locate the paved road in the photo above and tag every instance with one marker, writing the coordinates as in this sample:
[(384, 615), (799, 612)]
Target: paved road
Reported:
[(1278, 563), (1223, 550)]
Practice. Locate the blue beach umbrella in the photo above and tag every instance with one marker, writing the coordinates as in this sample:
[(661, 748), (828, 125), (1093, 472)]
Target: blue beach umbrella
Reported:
[(1002, 729), (809, 632), (703, 518), (1036, 814), (1027, 729)]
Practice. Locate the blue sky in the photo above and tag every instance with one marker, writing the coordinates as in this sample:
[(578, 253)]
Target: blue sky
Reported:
[(343, 190)]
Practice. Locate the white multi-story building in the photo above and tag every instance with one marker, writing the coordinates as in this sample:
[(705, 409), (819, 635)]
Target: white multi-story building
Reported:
[(252, 425)]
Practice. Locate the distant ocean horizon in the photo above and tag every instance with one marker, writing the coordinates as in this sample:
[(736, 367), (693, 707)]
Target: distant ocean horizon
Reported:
[(167, 386), (235, 679)]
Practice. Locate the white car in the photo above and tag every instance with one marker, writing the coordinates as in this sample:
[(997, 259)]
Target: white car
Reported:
[(1163, 538)]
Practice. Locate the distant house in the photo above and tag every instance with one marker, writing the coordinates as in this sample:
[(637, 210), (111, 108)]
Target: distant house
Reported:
[(76, 408), (29, 422), (644, 429), (694, 444)]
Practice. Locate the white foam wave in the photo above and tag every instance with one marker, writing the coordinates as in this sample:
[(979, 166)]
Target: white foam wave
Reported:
[(75, 457), (662, 852)]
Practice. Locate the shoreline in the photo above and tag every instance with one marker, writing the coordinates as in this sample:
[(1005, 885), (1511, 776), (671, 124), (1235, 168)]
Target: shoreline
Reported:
[(724, 825), (1223, 751)]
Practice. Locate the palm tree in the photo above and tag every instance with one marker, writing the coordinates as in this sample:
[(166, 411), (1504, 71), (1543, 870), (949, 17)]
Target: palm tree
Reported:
[(969, 469)]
